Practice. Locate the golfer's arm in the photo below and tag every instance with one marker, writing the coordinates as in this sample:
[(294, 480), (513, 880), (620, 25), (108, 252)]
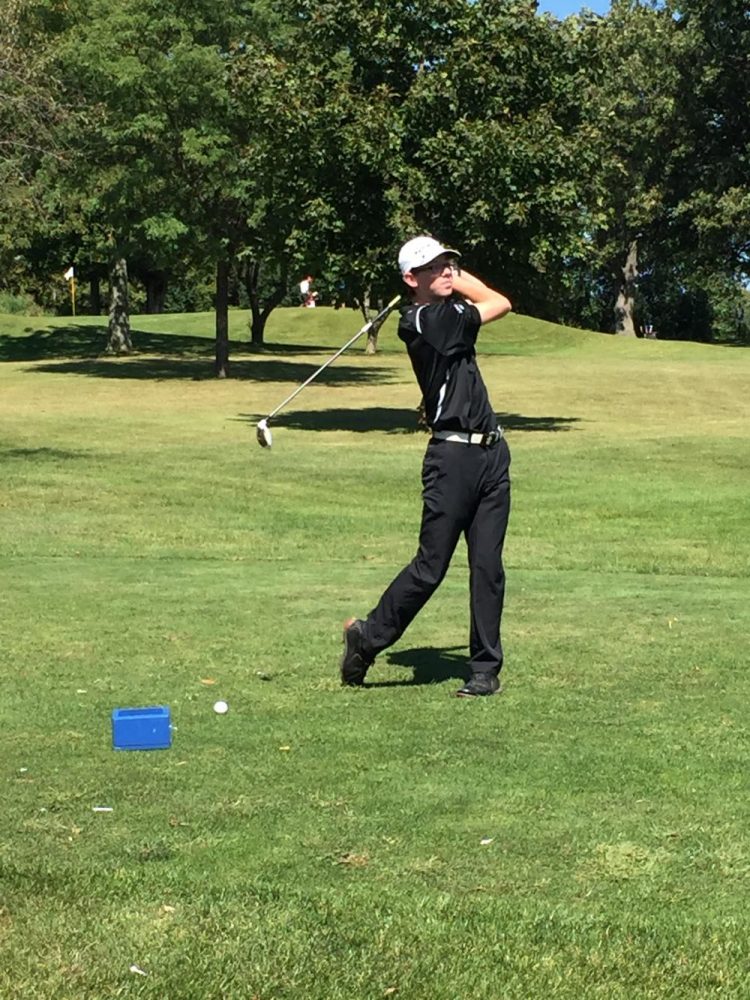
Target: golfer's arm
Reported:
[(491, 304)]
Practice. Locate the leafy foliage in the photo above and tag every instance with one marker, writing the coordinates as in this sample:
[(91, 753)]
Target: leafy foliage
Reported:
[(265, 141)]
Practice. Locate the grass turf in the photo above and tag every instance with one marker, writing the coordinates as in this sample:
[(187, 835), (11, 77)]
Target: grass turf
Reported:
[(584, 835)]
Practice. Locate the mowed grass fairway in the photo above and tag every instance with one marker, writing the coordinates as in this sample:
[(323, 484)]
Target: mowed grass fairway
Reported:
[(584, 835)]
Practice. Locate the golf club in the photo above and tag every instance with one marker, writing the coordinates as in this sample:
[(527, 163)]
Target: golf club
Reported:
[(263, 432)]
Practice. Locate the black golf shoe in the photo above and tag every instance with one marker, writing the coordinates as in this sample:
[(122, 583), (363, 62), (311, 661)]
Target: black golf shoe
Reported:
[(478, 686), (354, 662)]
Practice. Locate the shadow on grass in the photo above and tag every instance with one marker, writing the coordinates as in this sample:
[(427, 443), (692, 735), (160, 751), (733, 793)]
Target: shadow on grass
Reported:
[(39, 454), (517, 422), (197, 369), (390, 420), (395, 421), (85, 341), (79, 341), (433, 665)]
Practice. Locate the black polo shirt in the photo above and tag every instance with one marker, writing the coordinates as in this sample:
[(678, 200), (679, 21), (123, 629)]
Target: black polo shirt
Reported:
[(440, 339)]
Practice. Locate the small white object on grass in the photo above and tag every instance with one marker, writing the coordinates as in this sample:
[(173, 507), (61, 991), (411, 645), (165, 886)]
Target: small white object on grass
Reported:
[(221, 707)]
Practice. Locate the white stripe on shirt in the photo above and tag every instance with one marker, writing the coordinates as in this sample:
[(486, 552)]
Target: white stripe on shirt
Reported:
[(441, 398)]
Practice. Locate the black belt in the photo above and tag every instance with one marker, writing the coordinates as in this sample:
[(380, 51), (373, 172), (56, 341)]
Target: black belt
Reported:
[(470, 437)]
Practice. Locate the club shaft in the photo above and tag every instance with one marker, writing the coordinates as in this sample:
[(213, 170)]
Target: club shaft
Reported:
[(380, 316)]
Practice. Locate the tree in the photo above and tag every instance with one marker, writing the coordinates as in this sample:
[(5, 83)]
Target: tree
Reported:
[(315, 164), (709, 177), (233, 138), (668, 199), (33, 107), (628, 100), (489, 131), (160, 145)]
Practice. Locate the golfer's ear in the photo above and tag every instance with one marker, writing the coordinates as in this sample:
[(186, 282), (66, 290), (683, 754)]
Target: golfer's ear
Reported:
[(410, 280)]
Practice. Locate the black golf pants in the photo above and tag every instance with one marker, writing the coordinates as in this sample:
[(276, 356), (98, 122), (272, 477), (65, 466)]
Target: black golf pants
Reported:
[(466, 490)]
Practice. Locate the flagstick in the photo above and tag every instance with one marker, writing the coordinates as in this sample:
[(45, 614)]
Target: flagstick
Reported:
[(70, 277)]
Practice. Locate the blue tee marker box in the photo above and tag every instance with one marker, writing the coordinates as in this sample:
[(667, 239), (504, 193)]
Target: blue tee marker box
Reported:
[(141, 728)]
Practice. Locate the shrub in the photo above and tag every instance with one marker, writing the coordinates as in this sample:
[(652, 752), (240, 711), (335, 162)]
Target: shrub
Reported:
[(22, 304)]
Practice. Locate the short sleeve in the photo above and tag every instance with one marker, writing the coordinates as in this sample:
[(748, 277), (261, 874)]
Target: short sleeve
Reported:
[(449, 327)]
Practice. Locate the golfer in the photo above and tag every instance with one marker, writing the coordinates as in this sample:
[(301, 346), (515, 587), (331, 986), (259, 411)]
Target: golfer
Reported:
[(465, 475)]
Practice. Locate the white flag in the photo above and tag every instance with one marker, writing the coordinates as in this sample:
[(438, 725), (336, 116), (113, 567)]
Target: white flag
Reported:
[(69, 274)]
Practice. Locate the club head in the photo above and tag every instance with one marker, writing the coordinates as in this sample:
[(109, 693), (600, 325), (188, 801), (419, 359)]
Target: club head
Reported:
[(263, 434)]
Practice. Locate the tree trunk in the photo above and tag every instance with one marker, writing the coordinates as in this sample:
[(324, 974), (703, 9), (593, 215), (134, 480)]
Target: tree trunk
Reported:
[(95, 294), (364, 304), (156, 290), (250, 273), (625, 305), (372, 333), (259, 312), (119, 314), (221, 364)]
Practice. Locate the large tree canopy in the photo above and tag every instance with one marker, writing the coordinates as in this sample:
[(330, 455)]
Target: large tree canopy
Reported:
[(595, 167)]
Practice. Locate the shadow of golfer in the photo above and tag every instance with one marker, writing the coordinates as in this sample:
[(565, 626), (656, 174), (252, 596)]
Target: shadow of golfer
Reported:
[(390, 419), (400, 421), (429, 665)]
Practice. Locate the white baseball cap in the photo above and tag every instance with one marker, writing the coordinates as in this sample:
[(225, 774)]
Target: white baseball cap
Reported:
[(420, 251)]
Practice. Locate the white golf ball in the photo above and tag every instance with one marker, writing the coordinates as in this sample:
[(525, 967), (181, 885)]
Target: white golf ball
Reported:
[(221, 707)]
